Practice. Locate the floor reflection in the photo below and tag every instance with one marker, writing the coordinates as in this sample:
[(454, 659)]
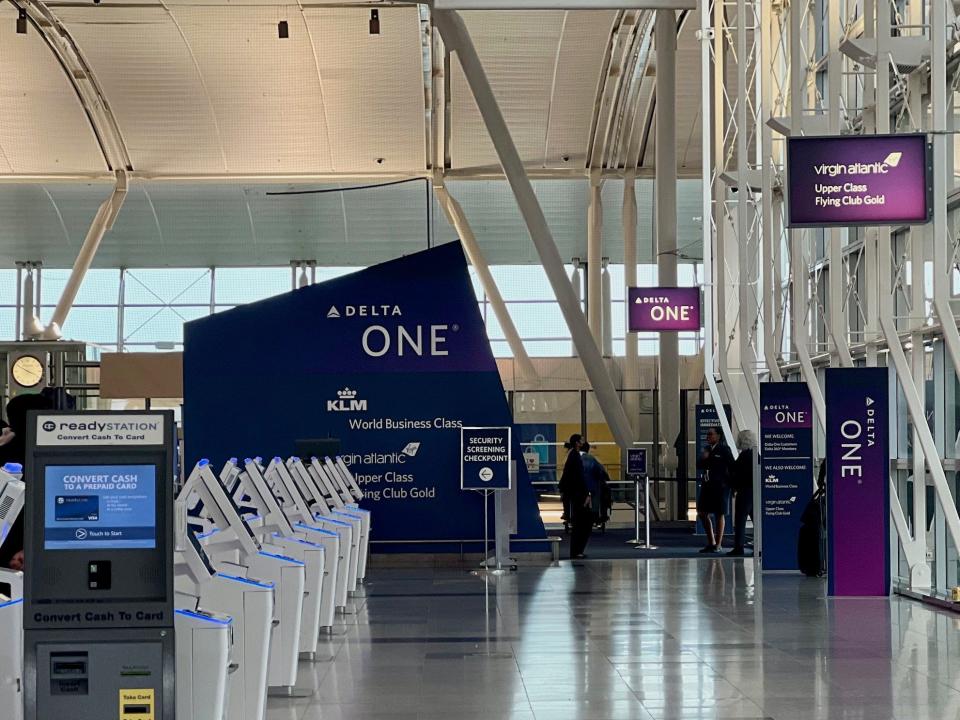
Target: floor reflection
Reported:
[(629, 639)]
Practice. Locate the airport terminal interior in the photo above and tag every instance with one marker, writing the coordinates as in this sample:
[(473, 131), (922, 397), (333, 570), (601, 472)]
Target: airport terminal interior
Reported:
[(461, 359)]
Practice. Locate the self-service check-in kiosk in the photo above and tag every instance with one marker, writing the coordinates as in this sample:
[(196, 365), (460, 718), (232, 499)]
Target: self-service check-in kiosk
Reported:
[(12, 491), (302, 499), (233, 549), (98, 594), (327, 479), (276, 535)]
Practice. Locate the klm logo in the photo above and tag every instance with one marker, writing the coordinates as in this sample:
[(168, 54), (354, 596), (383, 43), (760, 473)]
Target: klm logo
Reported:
[(346, 402)]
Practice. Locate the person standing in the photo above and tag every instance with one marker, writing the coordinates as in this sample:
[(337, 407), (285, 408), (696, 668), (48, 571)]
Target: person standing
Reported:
[(741, 483), (716, 461), (576, 497)]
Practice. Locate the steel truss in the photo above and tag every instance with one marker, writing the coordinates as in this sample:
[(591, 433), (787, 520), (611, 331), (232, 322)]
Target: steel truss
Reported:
[(835, 297)]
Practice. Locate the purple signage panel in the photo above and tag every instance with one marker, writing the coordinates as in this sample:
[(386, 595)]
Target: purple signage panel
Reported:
[(858, 180), (662, 309), (786, 469), (858, 484)]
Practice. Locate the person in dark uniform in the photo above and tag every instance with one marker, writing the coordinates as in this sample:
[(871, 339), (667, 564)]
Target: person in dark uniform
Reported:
[(716, 461), (741, 483), (576, 497)]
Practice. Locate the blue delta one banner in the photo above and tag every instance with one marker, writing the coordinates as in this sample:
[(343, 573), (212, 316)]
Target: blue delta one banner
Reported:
[(485, 458), (858, 481), (786, 469), (393, 360)]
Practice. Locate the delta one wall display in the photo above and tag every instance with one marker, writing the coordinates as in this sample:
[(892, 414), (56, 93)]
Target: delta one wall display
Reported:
[(858, 180), (664, 309), (393, 361)]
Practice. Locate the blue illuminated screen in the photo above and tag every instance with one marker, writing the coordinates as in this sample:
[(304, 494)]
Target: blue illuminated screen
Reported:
[(107, 507)]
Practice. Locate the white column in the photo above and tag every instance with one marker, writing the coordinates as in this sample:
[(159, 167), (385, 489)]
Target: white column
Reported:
[(668, 359), (594, 261), (457, 38), (606, 297)]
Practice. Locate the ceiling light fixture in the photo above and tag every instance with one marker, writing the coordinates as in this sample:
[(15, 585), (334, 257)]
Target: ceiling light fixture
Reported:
[(374, 22), (283, 30), (22, 22)]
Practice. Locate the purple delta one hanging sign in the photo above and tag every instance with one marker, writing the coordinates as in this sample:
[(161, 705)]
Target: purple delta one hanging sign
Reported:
[(664, 309), (858, 180)]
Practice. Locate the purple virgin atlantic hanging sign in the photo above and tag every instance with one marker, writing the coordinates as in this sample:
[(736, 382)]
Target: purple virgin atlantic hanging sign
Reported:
[(858, 180), (664, 309), (858, 483)]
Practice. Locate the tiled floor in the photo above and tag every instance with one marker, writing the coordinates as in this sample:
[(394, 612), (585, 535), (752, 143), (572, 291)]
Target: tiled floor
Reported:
[(630, 640)]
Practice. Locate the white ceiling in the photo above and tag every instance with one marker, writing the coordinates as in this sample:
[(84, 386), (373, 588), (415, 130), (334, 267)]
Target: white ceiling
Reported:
[(208, 90), (167, 224)]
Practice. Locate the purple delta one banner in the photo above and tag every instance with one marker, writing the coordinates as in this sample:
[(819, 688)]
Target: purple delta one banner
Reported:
[(664, 309), (858, 180), (858, 484), (786, 469)]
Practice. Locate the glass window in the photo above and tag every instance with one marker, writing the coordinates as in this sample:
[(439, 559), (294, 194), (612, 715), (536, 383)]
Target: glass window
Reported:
[(175, 286), (8, 323), (99, 287), (238, 286), (158, 324), (8, 288), (89, 324)]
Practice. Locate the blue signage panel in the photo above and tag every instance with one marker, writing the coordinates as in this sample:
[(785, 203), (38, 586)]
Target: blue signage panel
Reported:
[(786, 469), (393, 360), (636, 461), (858, 481), (706, 417), (485, 458)]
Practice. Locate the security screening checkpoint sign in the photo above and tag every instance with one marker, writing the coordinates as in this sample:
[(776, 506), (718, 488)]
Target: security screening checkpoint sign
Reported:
[(485, 458), (858, 180)]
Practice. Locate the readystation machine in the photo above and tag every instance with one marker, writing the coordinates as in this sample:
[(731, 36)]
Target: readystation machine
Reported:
[(98, 613), (137, 607)]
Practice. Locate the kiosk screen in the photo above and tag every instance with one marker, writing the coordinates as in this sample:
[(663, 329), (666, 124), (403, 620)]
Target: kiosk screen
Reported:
[(100, 507)]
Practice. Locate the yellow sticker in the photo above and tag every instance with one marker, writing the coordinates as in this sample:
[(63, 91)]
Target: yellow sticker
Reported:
[(136, 704)]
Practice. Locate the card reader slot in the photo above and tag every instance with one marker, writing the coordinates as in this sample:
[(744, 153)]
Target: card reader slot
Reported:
[(136, 710)]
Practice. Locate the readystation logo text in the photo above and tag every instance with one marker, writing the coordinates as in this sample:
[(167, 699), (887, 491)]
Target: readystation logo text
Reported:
[(99, 429)]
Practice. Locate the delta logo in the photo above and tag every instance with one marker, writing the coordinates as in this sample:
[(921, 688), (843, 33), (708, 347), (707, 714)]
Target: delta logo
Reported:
[(346, 402), (370, 311)]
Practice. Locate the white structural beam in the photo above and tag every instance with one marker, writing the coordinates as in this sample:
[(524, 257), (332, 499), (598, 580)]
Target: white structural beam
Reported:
[(710, 282), (102, 222), (457, 218), (458, 40), (668, 360), (564, 4)]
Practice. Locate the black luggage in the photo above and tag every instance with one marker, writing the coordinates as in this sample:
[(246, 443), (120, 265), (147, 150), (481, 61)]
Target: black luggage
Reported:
[(810, 543)]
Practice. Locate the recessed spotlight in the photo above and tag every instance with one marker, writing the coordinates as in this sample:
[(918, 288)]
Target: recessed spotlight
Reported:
[(283, 30), (22, 22), (380, 161), (374, 22)]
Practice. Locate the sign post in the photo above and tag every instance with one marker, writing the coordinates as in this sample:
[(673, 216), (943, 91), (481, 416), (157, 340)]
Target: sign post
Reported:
[(786, 469), (858, 481), (485, 466), (637, 469)]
